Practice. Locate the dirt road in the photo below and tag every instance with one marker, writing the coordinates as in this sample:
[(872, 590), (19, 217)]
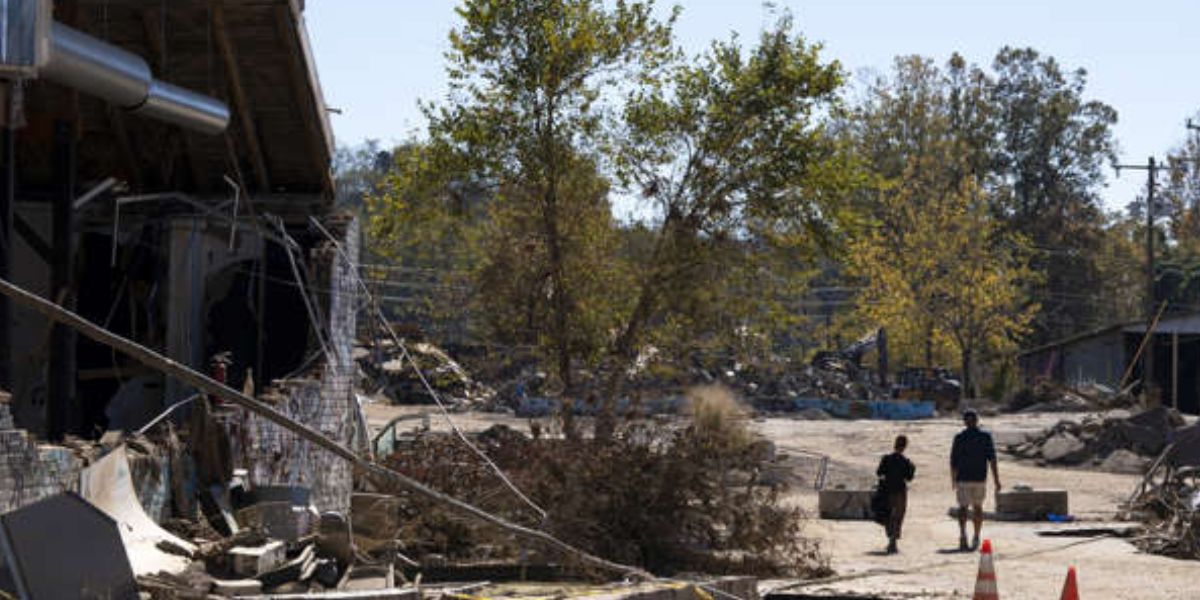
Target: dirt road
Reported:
[(929, 566)]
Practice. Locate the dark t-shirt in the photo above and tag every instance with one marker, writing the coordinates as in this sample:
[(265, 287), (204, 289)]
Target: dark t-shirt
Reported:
[(896, 471), (969, 456)]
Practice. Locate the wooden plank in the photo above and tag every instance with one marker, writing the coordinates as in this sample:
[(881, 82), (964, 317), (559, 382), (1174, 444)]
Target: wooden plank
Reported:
[(240, 104)]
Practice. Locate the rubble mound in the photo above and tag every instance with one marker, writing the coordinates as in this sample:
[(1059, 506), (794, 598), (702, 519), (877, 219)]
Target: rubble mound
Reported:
[(1115, 443), (385, 370), (1048, 396)]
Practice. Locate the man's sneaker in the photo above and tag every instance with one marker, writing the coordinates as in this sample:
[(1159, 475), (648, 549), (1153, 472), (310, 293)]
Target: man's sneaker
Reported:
[(975, 543)]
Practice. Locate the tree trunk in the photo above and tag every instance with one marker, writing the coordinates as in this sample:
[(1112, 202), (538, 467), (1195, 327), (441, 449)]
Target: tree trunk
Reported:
[(560, 302), (965, 378), (929, 346)]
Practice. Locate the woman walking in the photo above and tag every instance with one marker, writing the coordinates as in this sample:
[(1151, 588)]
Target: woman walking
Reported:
[(896, 471)]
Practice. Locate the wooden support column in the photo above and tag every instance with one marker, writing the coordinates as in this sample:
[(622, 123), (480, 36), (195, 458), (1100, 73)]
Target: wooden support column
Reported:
[(1175, 370), (8, 182), (61, 397), (241, 105)]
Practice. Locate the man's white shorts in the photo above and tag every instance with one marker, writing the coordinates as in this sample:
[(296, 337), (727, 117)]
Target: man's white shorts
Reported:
[(971, 493)]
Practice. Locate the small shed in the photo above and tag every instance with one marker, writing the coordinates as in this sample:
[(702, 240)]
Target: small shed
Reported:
[(1104, 355)]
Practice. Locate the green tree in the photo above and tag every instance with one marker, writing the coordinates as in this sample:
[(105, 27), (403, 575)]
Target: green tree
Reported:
[(1053, 148), (527, 78), (922, 132), (730, 150), (942, 269)]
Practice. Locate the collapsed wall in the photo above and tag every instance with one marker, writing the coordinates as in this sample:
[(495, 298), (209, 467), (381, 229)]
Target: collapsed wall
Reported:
[(30, 471), (324, 400)]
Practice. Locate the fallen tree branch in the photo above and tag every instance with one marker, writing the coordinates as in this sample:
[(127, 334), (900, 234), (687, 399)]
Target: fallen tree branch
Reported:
[(382, 475)]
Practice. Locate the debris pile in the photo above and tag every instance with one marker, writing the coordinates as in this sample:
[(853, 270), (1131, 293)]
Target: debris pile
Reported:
[(672, 496), (1167, 501), (1049, 396), (777, 390), (1116, 442), (386, 370)]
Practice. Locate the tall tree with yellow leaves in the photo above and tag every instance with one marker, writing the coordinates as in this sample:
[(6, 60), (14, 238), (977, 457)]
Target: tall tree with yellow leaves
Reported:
[(940, 271)]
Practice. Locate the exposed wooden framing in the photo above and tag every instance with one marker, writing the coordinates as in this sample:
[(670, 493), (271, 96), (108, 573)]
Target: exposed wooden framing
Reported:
[(116, 120), (286, 16), (238, 95), (31, 237), (152, 23)]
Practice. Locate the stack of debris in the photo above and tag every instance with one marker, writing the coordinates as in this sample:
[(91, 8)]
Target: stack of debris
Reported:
[(251, 541), (1167, 500), (1049, 396), (777, 389), (1116, 442), (385, 370)]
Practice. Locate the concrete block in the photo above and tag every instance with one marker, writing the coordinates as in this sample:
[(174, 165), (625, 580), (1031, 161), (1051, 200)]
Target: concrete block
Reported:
[(844, 504), (237, 587), (253, 561), (1033, 504)]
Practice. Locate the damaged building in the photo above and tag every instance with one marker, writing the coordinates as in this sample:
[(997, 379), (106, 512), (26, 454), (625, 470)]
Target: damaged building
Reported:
[(1111, 356), (167, 176)]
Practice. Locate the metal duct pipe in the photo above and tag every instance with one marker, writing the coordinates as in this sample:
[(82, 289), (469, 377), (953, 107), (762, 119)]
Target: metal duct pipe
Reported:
[(80, 61)]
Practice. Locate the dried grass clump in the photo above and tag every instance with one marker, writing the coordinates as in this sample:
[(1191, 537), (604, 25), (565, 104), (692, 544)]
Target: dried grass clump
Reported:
[(717, 416)]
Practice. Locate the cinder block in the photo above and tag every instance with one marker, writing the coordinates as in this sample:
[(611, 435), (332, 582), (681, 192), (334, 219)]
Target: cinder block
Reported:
[(844, 504), (1034, 504), (254, 561)]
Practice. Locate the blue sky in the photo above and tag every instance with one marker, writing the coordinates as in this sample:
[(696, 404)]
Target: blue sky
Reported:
[(377, 58)]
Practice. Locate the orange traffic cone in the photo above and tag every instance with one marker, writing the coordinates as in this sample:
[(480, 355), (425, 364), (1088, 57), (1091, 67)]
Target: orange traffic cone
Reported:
[(985, 583), (1071, 587)]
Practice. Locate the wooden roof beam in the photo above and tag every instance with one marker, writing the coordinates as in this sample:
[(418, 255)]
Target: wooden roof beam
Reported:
[(240, 104), (308, 108)]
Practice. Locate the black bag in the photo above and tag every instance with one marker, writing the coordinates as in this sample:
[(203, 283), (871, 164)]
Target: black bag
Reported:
[(881, 509)]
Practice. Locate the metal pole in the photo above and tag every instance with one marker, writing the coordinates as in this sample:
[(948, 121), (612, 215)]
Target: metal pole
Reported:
[(1149, 385)]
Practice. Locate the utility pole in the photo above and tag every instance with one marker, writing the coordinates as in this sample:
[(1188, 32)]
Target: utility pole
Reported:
[(1148, 384)]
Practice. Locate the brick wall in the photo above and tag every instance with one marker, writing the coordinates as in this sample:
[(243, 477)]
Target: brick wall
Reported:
[(30, 471), (325, 402)]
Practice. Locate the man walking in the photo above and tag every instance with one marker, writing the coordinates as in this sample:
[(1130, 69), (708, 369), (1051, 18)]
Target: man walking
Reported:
[(896, 471), (970, 456)]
